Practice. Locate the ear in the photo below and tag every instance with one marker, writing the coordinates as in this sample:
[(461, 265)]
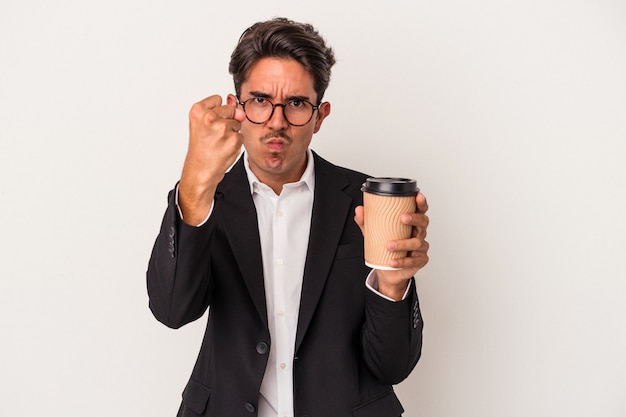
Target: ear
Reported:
[(231, 100), (322, 112)]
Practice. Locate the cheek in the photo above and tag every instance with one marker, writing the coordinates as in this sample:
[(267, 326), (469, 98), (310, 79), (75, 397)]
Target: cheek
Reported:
[(318, 124), (305, 133), (303, 140), (248, 133)]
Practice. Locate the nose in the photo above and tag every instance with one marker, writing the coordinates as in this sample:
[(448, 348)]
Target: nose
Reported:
[(277, 120)]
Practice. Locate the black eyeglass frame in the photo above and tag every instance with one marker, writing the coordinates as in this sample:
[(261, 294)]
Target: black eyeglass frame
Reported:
[(243, 105)]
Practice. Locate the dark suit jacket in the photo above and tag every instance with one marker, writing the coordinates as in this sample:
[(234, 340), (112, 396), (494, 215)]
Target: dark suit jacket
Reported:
[(351, 344)]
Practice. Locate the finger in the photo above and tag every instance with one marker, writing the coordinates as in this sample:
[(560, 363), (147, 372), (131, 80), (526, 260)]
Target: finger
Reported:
[(419, 232), (422, 204), (359, 218), (230, 111), (211, 108), (233, 124), (227, 111), (240, 115), (219, 119), (415, 219), (358, 215), (211, 102), (416, 261), (414, 244), (204, 110)]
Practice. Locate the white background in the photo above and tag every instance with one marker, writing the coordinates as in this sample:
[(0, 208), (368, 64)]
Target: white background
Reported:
[(510, 114)]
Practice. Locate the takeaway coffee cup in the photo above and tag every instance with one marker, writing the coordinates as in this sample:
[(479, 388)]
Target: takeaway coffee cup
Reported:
[(384, 200)]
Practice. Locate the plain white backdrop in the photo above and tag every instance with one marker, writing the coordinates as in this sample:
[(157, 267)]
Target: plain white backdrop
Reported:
[(510, 114)]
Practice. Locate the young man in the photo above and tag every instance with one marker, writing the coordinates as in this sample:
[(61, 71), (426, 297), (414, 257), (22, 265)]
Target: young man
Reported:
[(298, 325)]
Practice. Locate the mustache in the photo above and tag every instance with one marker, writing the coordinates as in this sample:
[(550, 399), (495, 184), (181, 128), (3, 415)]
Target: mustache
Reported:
[(277, 134)]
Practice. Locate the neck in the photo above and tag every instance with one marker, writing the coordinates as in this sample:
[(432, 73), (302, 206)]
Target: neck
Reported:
[(278, 180)]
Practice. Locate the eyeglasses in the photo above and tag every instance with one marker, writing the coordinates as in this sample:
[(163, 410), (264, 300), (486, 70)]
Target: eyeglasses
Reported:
[(259, 110)]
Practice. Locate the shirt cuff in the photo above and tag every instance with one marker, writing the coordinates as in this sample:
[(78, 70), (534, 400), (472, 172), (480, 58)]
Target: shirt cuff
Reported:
[(371, 282), (180, 213)]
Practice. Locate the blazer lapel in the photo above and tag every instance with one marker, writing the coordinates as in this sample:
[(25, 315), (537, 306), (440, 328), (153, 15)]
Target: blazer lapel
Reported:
[(331, 207), (240, 225)]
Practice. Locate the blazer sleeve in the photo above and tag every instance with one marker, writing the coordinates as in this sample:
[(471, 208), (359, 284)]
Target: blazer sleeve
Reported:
[(392, 336), (178, 275)]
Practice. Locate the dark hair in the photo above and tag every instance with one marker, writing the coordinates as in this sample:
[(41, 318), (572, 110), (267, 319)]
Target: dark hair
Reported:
[(283, 38)]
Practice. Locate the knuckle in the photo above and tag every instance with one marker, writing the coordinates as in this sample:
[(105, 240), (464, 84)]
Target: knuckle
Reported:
[(196, 110)]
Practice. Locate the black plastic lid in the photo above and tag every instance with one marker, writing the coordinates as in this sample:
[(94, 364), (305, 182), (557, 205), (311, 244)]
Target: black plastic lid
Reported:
[(390, 186)]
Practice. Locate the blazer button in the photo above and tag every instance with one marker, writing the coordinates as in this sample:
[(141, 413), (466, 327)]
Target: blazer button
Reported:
[(250, 408), (261, 348)]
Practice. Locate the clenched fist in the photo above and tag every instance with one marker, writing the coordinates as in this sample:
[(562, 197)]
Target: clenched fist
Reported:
[(214, 144)]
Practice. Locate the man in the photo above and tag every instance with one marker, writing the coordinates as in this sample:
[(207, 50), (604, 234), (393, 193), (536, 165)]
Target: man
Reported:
[(273, 247)]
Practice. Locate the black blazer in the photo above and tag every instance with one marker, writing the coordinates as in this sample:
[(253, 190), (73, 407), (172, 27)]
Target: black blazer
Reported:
[(351, 344)]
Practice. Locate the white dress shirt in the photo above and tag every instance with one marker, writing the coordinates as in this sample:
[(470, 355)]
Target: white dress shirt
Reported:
[(284, 224)]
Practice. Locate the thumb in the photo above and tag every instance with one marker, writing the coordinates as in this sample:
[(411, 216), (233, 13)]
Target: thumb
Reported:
[(359, 218), (240, 115)]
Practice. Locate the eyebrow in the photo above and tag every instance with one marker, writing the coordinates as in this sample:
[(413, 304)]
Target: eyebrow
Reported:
[(269, 96)]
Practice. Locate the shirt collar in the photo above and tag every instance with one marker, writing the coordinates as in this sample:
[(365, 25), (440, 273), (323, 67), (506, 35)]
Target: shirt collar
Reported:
[(308, 176)]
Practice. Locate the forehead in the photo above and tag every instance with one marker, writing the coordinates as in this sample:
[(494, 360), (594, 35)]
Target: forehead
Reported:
[(279, 77)]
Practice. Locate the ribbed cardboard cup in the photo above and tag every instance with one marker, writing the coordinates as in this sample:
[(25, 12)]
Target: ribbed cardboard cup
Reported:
[(384, 201)]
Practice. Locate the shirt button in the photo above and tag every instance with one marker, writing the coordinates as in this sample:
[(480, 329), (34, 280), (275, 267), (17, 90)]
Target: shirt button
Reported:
[(279, 261), (279, 213), (283, 365), (281, 313)]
